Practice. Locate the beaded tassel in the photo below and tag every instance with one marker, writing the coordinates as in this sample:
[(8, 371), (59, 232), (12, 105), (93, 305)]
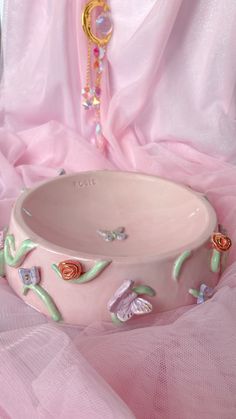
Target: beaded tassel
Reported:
[(92, 91)]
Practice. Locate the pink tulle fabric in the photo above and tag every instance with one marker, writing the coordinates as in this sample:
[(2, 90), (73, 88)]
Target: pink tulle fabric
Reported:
[(169, 109)]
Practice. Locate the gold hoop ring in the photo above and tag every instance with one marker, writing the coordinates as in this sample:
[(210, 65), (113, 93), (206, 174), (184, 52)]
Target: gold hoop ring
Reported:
[(86, 21)]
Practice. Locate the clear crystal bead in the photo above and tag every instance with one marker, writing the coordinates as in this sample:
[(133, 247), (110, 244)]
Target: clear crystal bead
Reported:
[(104, 24), (98, 128), (87, 105)]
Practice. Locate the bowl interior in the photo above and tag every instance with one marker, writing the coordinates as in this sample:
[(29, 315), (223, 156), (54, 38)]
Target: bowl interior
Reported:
[(159, 216)]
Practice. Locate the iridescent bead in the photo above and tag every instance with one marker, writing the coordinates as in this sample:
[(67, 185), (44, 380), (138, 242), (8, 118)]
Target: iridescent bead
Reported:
[(87, 93), (104, 24), (98, 128), (100, 69), (87, 104), (85, 90), (96, 102), (102, 53)]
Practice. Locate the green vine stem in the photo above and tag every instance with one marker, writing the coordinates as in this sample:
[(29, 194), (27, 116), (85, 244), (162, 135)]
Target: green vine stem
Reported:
[(115, 319), (87, 276), (179, 263), (47, 300), (215, 261), (9, 247), (194, 293), (144, 289), (2, 263)]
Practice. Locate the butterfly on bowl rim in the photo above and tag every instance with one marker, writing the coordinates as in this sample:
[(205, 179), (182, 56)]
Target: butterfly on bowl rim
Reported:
[(110, 235)]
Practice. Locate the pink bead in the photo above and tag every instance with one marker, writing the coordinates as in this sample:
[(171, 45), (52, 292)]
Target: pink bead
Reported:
[(96, 51), (85, 92), (101, 143), (98, 91)]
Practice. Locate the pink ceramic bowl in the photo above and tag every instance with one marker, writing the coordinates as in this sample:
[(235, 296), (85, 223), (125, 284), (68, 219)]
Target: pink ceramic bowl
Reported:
[(112, 245)]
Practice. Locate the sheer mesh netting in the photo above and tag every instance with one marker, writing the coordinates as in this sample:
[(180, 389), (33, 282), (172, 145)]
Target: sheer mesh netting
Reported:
[(180, 365)]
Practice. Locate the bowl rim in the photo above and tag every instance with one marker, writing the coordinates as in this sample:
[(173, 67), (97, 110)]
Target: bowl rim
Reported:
[(18, 220)]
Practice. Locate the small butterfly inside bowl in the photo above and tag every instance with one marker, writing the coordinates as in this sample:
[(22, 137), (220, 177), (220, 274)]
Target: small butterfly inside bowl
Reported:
[(110, 235)]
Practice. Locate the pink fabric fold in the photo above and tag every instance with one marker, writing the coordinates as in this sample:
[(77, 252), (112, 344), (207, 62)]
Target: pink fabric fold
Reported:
[(169, 110)]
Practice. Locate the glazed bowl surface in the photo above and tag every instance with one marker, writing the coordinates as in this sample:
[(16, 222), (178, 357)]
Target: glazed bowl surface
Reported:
[(88, 233)]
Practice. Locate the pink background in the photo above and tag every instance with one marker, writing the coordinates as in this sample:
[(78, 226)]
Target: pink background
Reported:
[(169, 110)]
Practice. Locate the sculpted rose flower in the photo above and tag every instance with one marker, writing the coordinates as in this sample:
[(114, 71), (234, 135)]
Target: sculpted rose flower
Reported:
[(70, 269), (221, 242)]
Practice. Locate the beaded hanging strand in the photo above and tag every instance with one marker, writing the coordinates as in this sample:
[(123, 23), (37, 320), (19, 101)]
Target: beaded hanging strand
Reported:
[(92, 92)]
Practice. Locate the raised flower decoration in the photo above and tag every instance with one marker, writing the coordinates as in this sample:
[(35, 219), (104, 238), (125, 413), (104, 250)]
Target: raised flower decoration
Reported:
[(221, 242), (126, 301), (29, 276), (204, 294), (70, 269), (30, 279)]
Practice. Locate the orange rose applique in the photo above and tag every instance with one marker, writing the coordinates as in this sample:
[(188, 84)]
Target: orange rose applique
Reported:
[(70, 269)]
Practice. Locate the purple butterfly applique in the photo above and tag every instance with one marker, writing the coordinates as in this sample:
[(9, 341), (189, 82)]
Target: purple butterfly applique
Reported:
[(126, 302), (2, 237), (204, 294)]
